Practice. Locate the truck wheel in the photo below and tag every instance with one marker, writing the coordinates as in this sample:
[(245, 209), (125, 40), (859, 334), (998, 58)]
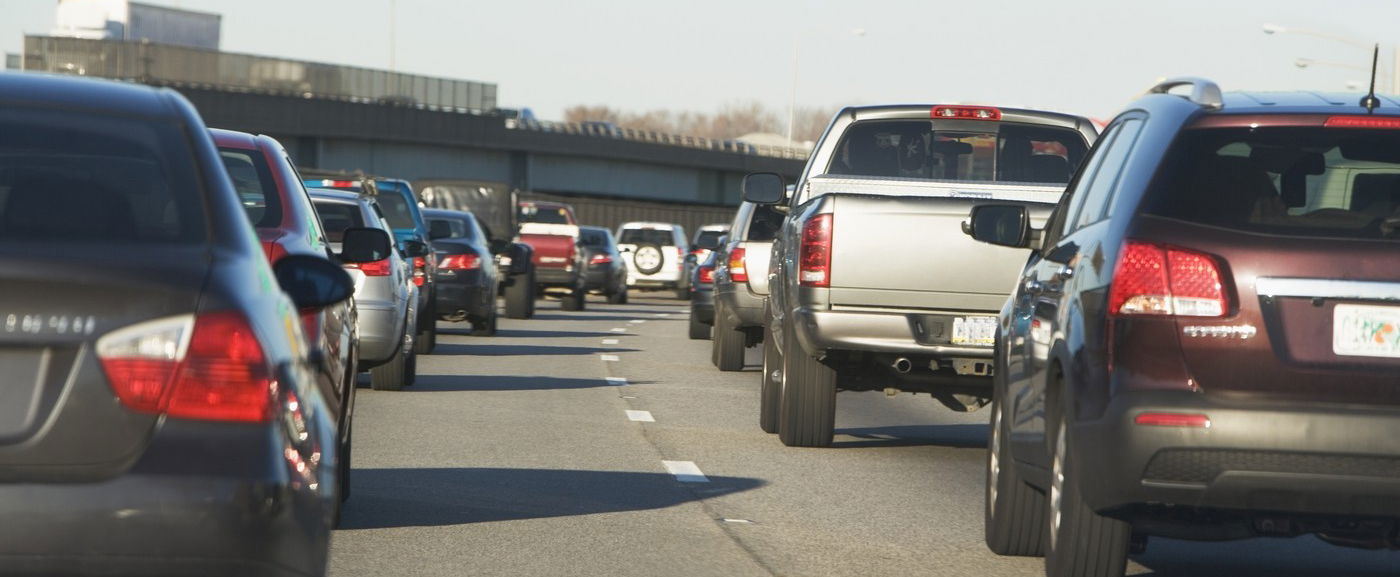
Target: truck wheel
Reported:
[(520, 297), (770, 386), (390, 376), (698, 330), (1082, 543), (410, 371), (485, 327), (729, 343), (575, 301), (426, 340), (1014, 514), (807, 411)]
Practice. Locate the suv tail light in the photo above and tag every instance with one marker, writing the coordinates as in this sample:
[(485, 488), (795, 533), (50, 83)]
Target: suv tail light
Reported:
[(600, 259), (209, 367), (737, 271), (707, 274), (1159, 280), (376, 268), (814, 256), (966, 113), (680, 258), (468, 261)]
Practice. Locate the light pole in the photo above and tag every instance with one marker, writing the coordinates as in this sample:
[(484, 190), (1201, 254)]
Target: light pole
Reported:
[(792, 99), (1272, 29)]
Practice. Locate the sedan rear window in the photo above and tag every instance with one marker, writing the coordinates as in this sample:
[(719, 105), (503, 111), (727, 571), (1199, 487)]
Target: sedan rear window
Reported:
[(1299, 181), (72, 177), (1006, 152)]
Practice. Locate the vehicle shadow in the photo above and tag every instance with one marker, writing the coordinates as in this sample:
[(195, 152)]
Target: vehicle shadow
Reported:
[(449, 383), (422, 497), (580, 317), (520, 350), (1295, 557), (463, 331), (954, 436)]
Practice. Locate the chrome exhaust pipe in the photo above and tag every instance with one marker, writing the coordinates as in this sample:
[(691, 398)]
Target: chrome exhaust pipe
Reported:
[(902, 365)]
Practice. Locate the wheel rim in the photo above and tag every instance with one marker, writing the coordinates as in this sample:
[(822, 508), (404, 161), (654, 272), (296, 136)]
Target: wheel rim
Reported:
[(994, 461), (1057, 486)]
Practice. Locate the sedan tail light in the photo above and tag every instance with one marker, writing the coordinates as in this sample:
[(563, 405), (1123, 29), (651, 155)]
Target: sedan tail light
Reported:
[(600, 259), (1158, 280), (467, 261), (376, 268), (209, 367), (814, 255), (737, 270), (707, 274)]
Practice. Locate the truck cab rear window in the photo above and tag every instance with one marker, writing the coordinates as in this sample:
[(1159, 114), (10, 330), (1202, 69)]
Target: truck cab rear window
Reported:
[(1005, 152)]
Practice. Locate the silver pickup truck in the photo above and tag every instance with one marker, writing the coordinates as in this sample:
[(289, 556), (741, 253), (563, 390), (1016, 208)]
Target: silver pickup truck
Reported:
[(873, 284)]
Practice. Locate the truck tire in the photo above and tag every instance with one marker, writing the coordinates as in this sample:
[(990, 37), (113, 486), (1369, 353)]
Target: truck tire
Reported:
[(426, 340), (807, 410), (390, 376), (729, 343), (1014, 514), (1081, 542), (648, 258), (520, 297), (770, 386), (698, 330), (575, 301), (486, 327)]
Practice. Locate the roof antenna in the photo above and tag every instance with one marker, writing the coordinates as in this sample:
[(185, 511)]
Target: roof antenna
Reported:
[(1369, 100)]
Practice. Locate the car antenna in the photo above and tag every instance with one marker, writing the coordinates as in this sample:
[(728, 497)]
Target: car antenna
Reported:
[(1369, 100)]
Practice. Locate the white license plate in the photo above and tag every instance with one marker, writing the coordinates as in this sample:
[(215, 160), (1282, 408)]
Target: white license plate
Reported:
[(1366, 331), (975, 331)]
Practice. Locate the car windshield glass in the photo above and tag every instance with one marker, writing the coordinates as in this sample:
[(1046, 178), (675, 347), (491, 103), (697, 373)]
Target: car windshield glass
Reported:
[(1315, 182), (709, 237), (257, 191), (657, 236), (396, 209), (73, 177), (336, 217), (543, 214), (1005, 152), (461, 228)]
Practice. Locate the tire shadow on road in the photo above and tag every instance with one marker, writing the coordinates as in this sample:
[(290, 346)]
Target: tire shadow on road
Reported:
[(423, 497), (953, 436), (463, 383), (521, 350)]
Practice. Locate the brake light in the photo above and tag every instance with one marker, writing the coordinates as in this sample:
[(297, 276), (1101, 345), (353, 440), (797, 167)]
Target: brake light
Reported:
[(680, 258), (600, 259), (1172, 420), (420, 270), (209, 367), (707, 274), (814, 256), (1157, 280), (274, 251), (1386, 122), (328, 183), (375, 268), (966, 112), (460, 262), (737, 270)]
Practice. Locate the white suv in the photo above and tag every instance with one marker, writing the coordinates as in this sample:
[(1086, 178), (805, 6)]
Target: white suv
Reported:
[(655, 255)]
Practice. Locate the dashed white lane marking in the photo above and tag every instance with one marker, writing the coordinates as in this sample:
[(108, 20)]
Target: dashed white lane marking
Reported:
[(663, 315), (637, 321), (619, 330), (610, 341), (628, 397), (739, 521), (641, 417), (609, 358), (616, 381), (685, 471)]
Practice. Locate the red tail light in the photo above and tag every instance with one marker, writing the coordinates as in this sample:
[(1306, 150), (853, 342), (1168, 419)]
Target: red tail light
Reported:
[(1173, 420), (814, 256), (1385, 122), (274, 251), (376, 268), (707, 274), (966, 113), (328, 183), (206, 368), (1157, 280), (737, 271), (420, 270), (460, 262), (680, 258), (600, 259)]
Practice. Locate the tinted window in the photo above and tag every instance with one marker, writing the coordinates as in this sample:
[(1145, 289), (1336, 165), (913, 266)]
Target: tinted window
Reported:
[(1068, 210), (396, 210), (336, 217), (1313, 181), (657, 236), (767, 221), (544, 214), (709, 237), (593, 237), (1105, 178), (912, 149), (461, 228), (71, 177), (257, 191)]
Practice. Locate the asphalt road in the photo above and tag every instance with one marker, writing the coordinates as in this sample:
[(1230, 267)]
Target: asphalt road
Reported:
[(517, 455)]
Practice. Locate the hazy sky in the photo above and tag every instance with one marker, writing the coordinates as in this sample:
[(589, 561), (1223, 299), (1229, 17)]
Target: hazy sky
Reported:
[(1082, 56)]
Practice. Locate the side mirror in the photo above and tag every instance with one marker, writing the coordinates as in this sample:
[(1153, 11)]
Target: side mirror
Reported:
[(439, 229), (415, 248), (764, 188), (312, 281), (361, 245), (1000, 224), (499, 245)]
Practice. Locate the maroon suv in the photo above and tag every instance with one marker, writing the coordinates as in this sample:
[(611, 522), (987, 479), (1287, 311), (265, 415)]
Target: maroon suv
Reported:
[(1205, 342)]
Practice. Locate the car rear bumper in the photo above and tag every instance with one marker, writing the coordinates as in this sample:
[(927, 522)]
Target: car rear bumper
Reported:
[(468, 292), (894, 331), (381, 333), (555, 277), (598, 279), (743, 308), (1287, 457)]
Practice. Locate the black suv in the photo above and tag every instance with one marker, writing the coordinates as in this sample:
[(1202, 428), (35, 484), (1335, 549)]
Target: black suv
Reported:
[(1205, 341)]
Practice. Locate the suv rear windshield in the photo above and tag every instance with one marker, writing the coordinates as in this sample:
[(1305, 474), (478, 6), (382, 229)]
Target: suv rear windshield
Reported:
[(544, 214), (1300, 181), (336, 217), (257, 191), (656, 236), (1005, 152), (73, 177)]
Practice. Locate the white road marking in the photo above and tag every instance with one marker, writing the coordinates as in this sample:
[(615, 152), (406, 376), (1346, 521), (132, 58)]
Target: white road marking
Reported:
[(617, 381), (619, 330), (685, 471), (610, 341), (609, 358), (637, 321), (628, 397), (740, 521), (663, 315), (641, 417)]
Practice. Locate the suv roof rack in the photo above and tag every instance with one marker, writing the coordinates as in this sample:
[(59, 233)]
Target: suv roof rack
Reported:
[(1203, 92)]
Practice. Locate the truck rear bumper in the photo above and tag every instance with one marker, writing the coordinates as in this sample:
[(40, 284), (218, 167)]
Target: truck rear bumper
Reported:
[(895, 331)]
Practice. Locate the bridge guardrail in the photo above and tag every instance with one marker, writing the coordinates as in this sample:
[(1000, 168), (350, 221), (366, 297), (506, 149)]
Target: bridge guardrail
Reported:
[(608, 130)]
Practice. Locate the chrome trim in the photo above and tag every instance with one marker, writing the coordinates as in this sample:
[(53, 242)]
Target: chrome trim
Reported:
[(1327, 288)]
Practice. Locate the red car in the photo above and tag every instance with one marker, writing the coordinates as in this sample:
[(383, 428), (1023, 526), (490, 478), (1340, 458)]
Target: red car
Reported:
[(286, 223)]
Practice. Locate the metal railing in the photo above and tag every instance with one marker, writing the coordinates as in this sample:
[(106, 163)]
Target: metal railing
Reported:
[(165, 64), (608, 130)]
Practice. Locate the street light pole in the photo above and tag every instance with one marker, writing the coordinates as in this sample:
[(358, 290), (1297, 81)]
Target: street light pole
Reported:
[(1395, 58)]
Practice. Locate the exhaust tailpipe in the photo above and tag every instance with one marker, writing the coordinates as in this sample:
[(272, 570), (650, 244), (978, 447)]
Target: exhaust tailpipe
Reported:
[(902, 365)]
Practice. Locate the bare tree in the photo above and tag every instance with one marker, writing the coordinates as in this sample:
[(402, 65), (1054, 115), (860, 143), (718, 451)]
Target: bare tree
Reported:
[(732, 120)]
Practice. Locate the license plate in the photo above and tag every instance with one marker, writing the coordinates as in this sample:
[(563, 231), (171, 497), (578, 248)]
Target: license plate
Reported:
[(1366, 331), (980, 331)]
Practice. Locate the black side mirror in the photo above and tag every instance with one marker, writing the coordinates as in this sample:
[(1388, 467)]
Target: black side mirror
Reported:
[(312, 281), (439, 229), (361, 245), (415, 248), (1000, 224), (499, 245), (764, 188)]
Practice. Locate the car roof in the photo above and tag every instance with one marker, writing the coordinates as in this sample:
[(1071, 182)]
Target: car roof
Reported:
[(1304, 102), (641, 224), (710, 227), (444, 213), (233, 139), (595, 229), (332, 194), (1009, 114), (72, 92)]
